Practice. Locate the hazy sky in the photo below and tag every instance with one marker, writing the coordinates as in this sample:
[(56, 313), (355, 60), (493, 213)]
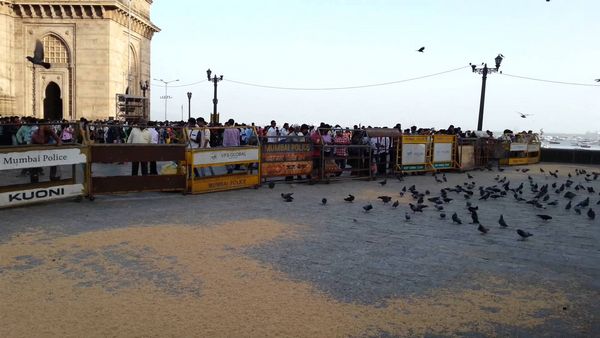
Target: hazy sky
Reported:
[(339, 43)]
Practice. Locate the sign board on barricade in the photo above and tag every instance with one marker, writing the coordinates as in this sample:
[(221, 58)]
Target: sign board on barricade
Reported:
[(286, 159), (444, 151), (42, 158), (16, 198), (533, 147), (225, 182), (518, 147), (224, 156), (414, 153)]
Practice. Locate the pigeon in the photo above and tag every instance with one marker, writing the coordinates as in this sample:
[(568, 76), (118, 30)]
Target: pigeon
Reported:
[(568, 206), (271, 185), (577, 210), (444, 178), (544, 217), (367, 207), (469, 176), (591, 214), (350, 198), (554, 203), (597, 80), (570, 195), (584, 203), (524, 234), (287, 195), (483, 229), (406, 216), (442, 215), (421, 50), (289, 199), (38, 55), (591, 190), (455, 219), (324, 201), (474, 217), (502, 222), (542, 170), (525, 170), (396, 204), (524, 116), (385, 199), (383, 182)]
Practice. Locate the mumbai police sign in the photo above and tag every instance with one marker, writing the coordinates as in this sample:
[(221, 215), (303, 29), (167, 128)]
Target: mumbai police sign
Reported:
[(41, 158), (15, 198)]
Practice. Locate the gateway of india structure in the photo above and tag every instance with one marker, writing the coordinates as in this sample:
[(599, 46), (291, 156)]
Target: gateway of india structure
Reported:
[(99, 56)]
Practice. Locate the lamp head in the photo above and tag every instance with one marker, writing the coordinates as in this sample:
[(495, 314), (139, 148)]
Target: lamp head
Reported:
[(473, 67), (208, 72), (221, 77), (498, 60), (189, 95)]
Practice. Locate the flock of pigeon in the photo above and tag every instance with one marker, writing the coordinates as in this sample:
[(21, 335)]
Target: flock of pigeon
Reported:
[(541, 196)]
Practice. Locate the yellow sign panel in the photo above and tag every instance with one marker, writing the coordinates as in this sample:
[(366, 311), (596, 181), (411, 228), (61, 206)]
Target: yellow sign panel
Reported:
[(443, 138), (518, 161), (415, 139), (225, 182)]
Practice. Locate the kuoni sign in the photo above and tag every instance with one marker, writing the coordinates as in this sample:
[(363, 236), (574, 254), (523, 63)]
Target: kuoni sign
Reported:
[(14, 198), (41, 158)]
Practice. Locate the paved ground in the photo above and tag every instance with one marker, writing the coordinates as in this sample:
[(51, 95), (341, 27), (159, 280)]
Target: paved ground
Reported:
[(246, 263)]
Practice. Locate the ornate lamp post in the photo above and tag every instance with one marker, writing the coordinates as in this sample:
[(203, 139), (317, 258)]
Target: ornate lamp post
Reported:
[(189, 95), (144, 86), (214, 118), (485, 71)]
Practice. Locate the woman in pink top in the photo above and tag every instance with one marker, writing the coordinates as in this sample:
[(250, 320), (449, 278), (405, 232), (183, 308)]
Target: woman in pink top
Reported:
[(66, 135)]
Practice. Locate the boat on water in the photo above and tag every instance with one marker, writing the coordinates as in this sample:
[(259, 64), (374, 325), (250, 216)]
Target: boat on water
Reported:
[(585, 145)]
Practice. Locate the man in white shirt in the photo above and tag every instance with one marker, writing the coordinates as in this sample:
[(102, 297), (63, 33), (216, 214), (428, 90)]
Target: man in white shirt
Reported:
[(204, 142), (272, 133), (139, 135), (154, 136)]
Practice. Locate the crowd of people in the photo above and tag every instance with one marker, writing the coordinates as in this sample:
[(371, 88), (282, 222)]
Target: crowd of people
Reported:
[(343, 146)]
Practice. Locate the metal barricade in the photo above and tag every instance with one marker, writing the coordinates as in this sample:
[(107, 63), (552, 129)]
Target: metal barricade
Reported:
[(343, 154), (445, 152), (414, 154), (223, 163), (33, 168), (286, 157), (108, 154), (466, 153)]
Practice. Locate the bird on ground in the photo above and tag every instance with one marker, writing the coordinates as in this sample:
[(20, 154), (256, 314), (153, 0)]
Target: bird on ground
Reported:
[(544, 217), (404, 189), (385, 199), (524, 170), (444, 177), (324, 201), (524, 116), (570, 195), (591, 190), (367, 207), (591, 214), (469, 176), (553, 203), (482, 229), (439, 207), (383, 182), (406, 216), (38, 55), (289, 199), (502, 222), (584, 203), (577, 210), (472, 209), (568, 206), (287, 195), (350, 198), (421, 50), (271, 185), (524, 234), (455, 219), (542, 170), (474, 217), (396, 204)]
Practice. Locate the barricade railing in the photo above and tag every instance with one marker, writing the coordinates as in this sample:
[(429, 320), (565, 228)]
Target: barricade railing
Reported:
[(445, 152), (343, 154), (414, 154), (35, 166), (286, 157), (115, 167), (466, 153), (230, 167)]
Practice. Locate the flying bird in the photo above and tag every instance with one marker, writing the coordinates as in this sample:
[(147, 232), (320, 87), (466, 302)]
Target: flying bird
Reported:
[(597, 80), (524, 116), (38, 55), (421, 50), (524, 234)]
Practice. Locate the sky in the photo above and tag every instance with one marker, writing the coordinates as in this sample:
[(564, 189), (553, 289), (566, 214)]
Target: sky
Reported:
[(341, 43)]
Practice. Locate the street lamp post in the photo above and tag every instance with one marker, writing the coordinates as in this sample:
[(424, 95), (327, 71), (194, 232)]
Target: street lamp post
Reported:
[(144, 86), (214, 118), (189, 95), (166, 97), (484, 72)]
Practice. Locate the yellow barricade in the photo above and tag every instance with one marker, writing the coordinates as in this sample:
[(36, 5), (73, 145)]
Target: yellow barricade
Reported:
[(445, 152), (414, 154), (213, 169)]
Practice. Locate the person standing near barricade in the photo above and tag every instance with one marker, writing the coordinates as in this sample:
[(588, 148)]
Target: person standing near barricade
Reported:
[(139, 135), (204, 142), (154, 136), (231, 138), (380, 146), (44, 135), (66, 133), (273, 133), (341, 142)]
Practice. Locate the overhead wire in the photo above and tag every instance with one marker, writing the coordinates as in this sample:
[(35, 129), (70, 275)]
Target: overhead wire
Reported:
[(551, 81)]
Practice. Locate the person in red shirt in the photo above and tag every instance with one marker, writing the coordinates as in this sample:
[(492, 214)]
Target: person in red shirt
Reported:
[(341, 140)]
